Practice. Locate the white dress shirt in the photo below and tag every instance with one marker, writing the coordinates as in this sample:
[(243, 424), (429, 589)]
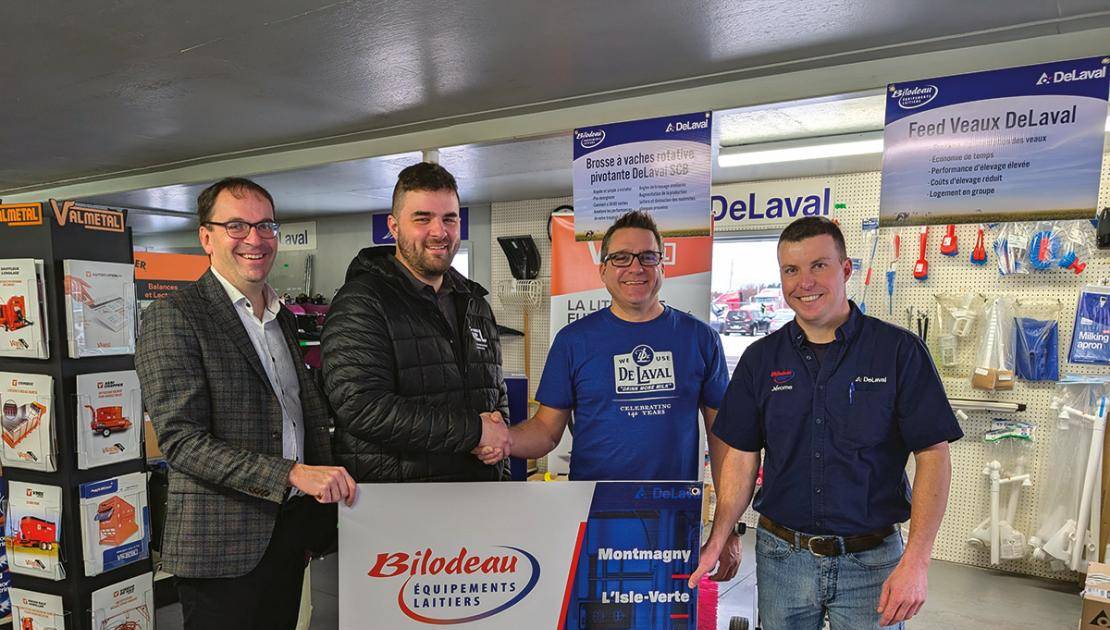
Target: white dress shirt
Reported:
[(273, 352)]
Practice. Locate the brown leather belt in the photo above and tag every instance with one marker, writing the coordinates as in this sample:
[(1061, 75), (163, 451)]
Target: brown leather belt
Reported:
[(826, 545)]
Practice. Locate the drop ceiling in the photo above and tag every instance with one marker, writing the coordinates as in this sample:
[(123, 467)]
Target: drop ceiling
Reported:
[(98, 91)]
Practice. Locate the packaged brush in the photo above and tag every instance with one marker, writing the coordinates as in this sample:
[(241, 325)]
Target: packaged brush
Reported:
[(1037, 340)]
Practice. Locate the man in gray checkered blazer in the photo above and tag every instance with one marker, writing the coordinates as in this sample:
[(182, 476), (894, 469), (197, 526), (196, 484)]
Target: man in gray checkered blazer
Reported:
[(242, 424)]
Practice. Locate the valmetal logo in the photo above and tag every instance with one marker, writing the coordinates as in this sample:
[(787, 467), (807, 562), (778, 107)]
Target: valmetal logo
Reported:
[(21, 214), (461, 588), (89, 218)]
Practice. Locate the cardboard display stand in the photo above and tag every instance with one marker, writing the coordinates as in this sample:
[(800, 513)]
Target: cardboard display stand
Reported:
[(70, 233)]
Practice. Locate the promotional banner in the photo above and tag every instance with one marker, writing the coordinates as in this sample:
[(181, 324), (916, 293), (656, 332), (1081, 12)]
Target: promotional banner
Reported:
[(771, 204), (661, 165), (379, 227), (577, 290), (157, 275), (1006, 145), (568, 555)]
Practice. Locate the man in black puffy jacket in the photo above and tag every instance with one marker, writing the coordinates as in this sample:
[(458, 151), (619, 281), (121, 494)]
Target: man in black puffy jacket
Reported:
[(411, 354)]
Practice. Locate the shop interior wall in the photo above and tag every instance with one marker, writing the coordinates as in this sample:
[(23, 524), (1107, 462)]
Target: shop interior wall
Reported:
[(338, 239), (969, 499)]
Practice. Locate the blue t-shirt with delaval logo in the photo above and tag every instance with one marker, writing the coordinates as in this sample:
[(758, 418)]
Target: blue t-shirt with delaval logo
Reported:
[(635, 389)]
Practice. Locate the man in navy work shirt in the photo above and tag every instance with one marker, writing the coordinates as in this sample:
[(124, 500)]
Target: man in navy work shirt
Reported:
[(635, 376), (837, 401)]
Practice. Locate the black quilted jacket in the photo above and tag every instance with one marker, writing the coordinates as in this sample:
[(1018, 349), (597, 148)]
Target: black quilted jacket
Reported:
[(406, 400)]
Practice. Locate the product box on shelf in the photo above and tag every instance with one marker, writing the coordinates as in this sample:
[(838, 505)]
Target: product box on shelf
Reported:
[(27, 421), (115, 522), (23, 328), (37, 611), (109, 418), (33, 530), (100, 308), (126, 605)]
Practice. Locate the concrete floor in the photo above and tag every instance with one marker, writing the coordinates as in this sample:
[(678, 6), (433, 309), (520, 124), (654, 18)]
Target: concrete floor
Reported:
[(960, 598)]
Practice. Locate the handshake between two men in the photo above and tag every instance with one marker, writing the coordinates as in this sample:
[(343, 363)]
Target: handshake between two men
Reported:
[(496, 441)]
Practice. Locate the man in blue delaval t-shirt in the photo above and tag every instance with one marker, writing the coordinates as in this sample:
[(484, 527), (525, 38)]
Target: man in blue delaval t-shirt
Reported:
[(635, 376), (837, 401)]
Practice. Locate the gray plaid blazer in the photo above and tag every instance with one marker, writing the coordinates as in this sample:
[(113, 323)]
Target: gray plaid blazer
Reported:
[(219, 425)]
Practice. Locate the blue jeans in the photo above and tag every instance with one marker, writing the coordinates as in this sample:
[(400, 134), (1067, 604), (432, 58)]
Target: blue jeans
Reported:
[(797, 588)]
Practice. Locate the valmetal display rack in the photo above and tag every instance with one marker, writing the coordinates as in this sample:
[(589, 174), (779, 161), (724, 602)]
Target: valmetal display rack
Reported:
[(55, 238)]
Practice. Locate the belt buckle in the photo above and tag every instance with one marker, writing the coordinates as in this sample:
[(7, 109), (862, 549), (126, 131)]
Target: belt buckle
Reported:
[(809, 545)]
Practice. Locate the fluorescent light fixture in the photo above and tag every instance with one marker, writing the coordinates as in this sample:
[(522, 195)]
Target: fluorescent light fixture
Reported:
[(985, 405), (803, 149)]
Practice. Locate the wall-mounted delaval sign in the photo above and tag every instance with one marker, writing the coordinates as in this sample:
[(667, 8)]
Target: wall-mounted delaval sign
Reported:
[(1006, 145), (570, 555), (771, 204), (661, 165), (379, 227), (297, 236)]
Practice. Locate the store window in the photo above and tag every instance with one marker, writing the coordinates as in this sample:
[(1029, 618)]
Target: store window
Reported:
[(462, 261), (746, 297)]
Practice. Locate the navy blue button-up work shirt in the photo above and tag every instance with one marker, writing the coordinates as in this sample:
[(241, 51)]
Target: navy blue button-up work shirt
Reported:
[(836, 433)]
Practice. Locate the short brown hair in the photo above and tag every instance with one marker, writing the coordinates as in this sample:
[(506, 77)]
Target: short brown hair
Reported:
[(425, 176), (808, 227), (633, 219), (237, 186)]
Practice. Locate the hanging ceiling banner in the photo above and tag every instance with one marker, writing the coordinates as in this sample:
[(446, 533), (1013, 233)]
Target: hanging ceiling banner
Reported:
[(1005, 145), (570, 555), (661, 165)]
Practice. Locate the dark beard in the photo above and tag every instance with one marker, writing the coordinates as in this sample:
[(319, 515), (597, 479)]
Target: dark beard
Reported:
[(425, 266)]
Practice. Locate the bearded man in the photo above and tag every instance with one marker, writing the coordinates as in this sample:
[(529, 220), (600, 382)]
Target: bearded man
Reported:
[(411, 353)]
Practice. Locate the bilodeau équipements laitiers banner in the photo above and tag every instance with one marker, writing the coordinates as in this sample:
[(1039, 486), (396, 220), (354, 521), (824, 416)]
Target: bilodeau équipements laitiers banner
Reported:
[(570, 555)]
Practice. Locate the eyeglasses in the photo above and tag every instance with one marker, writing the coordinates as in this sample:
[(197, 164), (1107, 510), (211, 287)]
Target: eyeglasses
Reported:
[(624, 259), (241, 229)]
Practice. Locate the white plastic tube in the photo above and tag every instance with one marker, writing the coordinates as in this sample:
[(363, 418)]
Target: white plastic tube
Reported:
[(1094, 456)]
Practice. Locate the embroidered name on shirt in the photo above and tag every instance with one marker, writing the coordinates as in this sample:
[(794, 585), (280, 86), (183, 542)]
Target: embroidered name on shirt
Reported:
[(782, 388), (871, 379)]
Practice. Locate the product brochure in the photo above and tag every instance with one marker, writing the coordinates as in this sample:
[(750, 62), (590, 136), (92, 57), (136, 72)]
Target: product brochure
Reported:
[(109, 418), (126, 605), (100, 307), (27, 418), (33, 530), (5, 574), (115, 522), (37, 611), (23, 328)]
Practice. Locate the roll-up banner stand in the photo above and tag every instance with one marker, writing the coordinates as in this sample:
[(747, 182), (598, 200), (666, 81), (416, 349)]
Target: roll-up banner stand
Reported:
[(570, 555), (1017, 144)]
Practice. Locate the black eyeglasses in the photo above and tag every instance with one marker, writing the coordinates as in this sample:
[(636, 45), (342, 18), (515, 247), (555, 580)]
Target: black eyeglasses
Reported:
[(241, 229), (624, 259)]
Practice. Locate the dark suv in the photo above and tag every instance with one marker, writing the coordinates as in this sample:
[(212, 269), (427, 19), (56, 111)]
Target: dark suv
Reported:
[(745, 322)]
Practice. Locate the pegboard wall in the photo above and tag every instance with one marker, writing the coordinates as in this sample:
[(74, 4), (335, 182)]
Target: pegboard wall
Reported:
[(513, 219), (969, 500)]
